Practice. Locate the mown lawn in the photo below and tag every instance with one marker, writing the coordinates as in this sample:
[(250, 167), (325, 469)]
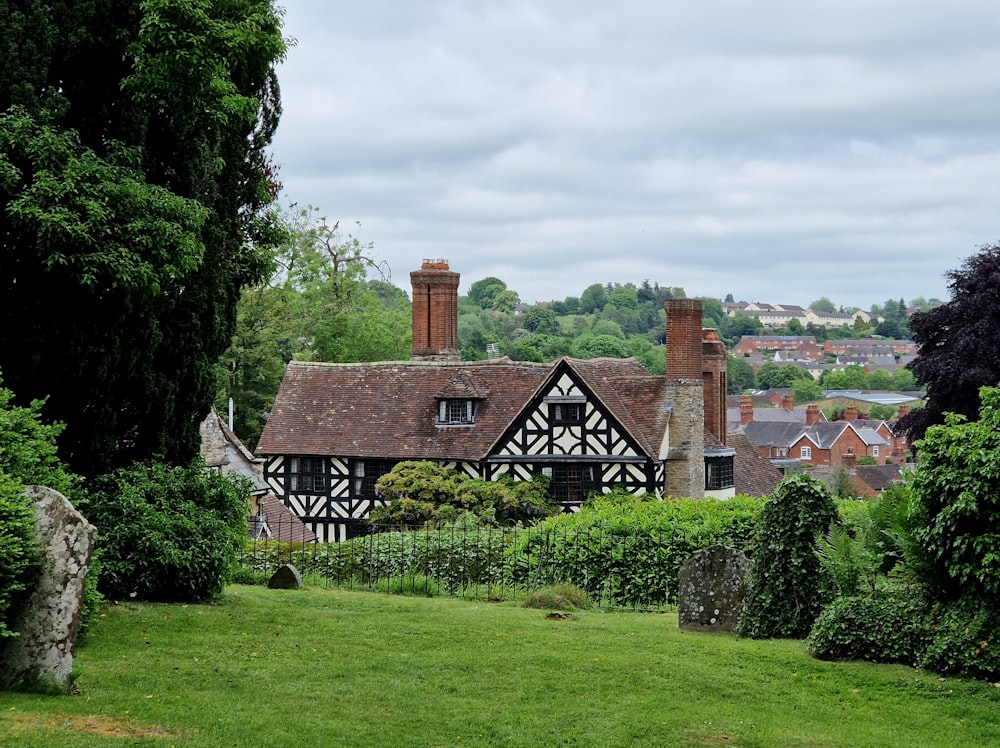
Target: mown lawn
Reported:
[(330, 668)]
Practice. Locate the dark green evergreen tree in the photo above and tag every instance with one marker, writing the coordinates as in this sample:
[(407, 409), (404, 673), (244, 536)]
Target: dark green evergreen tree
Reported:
[(134, 187)]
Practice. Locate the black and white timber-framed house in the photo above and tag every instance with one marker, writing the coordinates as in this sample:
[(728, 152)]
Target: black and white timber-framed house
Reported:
[(588, 425)]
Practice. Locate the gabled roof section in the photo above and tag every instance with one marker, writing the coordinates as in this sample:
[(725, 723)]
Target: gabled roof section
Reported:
[(389, 410), (636, 398), (464, 387), (825, 435), (776, 434)]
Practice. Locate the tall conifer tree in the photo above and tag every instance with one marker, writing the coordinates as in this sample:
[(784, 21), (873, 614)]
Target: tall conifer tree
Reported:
[(134, 204)]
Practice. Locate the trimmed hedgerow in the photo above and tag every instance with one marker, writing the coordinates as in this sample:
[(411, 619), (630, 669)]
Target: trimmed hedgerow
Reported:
[(629, 552), (888, 626)]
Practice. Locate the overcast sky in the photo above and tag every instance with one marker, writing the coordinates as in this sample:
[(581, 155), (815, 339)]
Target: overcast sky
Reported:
[(776, 150)]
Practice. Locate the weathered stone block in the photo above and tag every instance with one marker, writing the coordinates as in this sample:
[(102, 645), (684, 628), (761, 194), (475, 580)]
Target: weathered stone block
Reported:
[(712, 585), (41, 656), (285, 577)]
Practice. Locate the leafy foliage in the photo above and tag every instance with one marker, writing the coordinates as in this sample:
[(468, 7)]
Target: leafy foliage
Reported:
[(27, 457), (965, 639), (959, 343), (166, 534), (889, 626), (134, 189), (318, 305), (28, 449), (20, 551), (786, 589), (425, 493), (956, 494), (628, 549)]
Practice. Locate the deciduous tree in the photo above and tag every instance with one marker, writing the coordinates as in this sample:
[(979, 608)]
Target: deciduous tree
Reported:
[(959, 343)]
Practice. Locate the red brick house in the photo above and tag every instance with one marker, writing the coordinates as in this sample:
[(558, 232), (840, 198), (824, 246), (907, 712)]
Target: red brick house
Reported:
[(588, 425)]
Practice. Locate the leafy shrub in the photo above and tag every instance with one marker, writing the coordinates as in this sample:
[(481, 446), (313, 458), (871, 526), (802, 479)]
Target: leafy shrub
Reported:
[(786, 589), (427, 494), (20, 551), (889, 626), (956, 494), (27, 457), (965, 639), (166, 533), (629, 552), (28, 446), (556, 597)]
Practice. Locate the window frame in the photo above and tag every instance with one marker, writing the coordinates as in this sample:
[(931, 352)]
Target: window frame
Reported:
[(455, 411), (571, 482), (363, 482), (308, 474), (719, 473), (805, 453), (566, 413)]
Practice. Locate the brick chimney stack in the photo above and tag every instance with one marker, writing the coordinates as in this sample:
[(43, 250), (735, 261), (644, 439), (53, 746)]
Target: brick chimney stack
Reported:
[(435, 312), (713, 376), (812, 414), (788, 402), (746, 409), (902, 411), (850, 413), (684, 456), (683, 338)]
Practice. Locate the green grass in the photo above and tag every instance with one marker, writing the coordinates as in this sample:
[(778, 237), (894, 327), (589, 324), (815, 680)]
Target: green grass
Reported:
[(331, 668)]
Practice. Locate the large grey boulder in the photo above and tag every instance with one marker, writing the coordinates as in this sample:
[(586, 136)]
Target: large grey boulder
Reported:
[(41, 656), (711, 587)]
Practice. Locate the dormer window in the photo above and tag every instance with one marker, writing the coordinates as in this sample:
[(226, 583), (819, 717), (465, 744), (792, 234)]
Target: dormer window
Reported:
[(453, 411)]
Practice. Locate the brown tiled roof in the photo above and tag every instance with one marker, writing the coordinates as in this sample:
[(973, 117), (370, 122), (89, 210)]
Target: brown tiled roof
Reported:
[(283, 523), (753, 474), (388, 410)]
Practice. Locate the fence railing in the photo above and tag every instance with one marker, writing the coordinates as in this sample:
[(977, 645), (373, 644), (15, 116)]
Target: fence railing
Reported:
[(617, 570)]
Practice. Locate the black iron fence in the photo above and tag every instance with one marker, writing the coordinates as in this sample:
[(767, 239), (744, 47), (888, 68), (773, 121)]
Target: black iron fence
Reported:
[(636, 570)]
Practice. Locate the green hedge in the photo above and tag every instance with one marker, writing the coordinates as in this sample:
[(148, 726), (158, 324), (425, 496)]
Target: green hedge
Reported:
[(630, 553), (890, 626)]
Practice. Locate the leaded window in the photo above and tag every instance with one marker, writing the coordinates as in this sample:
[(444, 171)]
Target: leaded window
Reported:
[(307, 475), (718, 473), (454, 411), (566, 412), (571, 483), (364, 474)]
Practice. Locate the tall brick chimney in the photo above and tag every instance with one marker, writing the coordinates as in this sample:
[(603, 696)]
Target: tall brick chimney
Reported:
[(788, 402), (850, 413), (683, 338), (812, 414), (713, 377), (902, 410), (435, 312), (746, 409), (684, 460)]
